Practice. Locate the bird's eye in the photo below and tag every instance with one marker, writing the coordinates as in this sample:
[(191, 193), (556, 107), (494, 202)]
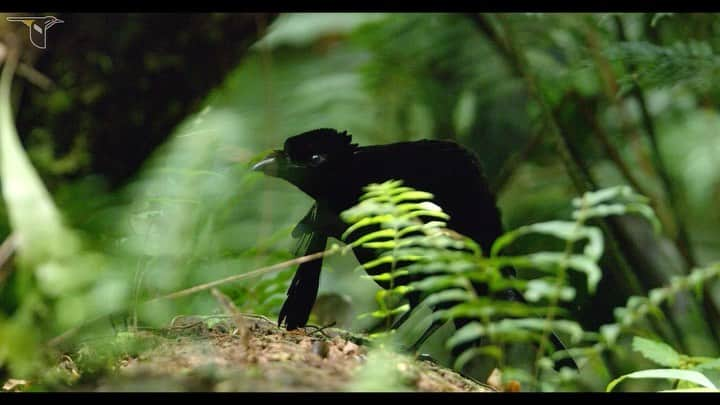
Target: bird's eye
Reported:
[(317, 159)]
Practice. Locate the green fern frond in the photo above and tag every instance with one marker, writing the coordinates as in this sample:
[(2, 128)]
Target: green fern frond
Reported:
[(692, 63)]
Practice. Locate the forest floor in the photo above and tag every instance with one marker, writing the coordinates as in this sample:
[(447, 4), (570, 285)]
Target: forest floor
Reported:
[(250, 353)]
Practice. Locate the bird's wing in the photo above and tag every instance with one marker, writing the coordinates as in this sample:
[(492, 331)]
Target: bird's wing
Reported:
[(304, 287), (304, 230)]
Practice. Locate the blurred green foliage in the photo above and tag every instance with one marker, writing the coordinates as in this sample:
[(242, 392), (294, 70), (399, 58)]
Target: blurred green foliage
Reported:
[(196, 214), (410, 236)]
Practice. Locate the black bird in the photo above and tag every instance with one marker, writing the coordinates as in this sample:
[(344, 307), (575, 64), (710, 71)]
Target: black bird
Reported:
[(327, 166)]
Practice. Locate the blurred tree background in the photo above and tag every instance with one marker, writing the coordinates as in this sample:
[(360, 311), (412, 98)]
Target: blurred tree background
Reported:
[(142, 128)]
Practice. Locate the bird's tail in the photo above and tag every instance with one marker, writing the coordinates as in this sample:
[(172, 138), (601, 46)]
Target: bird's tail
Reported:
[(303, 290)]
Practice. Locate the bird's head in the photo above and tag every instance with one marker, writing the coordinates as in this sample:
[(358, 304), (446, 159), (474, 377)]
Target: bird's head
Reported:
[(309, 160), (51, 20)]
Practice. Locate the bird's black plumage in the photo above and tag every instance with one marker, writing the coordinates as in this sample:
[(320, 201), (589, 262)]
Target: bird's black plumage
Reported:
[(327, 166)]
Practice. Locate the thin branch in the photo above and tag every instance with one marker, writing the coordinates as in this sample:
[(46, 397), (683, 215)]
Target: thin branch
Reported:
[(202, 287), (610, 149), (484, 25), (611, 89), (682, 238), (254, 273), (35, 77)]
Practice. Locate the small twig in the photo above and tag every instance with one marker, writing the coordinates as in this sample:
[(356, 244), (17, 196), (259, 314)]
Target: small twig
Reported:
[(28, 72), (254, 273), (320, 329), (229, 308), (279, 266), (34, 76)]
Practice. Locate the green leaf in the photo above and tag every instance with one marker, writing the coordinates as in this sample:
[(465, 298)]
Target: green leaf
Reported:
[(389, 259), (565, 230), (610, 333), (434, 283), (668, 374), (366, 221), (388, 276), (592, 198), (425, 213), (550, 261), (658, 16), (468, 333), (657, 352), (709, 365), (383, 233), (469, 354), (447, 295), (385, 313), (411, 195), (538, 289), (44, 243), (606, 210), (680, 390), (483, 308)]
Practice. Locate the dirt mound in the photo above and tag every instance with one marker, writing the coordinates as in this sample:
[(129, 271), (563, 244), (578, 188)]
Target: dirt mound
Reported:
[(195, 355)]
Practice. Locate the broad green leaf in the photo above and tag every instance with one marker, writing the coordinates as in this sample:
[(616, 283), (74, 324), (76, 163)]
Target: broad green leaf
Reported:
[(666, 374), (657, 352)]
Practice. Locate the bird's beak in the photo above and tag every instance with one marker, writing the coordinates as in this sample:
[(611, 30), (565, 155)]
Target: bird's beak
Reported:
[(53, 22), (270, 164)]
